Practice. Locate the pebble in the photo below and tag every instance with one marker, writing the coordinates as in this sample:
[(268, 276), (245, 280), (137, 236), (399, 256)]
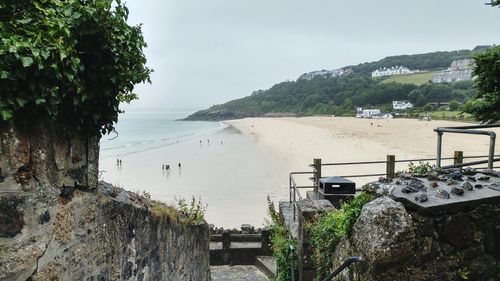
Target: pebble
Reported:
[(421, 198), (467, 186), (457, 190), (443, 194), (478, 186)]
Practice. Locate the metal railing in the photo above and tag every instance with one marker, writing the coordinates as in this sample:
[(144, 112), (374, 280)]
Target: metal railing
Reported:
[(390, 171), (343, 266), (470, 130)]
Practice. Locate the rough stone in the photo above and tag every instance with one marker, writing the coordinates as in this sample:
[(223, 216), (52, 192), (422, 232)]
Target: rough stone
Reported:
[(467, 186), (457, 190), (421, 197), (384, 231), (443, 194)]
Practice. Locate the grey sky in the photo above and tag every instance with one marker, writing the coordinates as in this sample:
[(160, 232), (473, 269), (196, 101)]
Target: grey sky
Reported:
[(208, 52)]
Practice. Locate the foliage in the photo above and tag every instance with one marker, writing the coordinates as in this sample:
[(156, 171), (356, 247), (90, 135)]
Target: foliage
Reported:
[(192, 212), (464, 273), (486, 106), (341, 95), (330, 228), (423, 168), (72, 61), (280, 244)]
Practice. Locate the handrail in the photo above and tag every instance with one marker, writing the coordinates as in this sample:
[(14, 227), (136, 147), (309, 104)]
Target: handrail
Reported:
[(471, 130), (345, 264), (291, 250)]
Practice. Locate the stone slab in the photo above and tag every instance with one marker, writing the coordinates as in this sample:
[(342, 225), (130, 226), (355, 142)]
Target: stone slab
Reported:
[(435, 204), (237, 272)]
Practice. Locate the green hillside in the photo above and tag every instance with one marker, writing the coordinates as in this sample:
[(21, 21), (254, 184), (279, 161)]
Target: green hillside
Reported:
[(416, 78), (342, 94)]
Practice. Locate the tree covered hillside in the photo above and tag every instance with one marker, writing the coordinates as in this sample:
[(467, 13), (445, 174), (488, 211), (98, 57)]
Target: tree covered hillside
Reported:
[(341, 95)]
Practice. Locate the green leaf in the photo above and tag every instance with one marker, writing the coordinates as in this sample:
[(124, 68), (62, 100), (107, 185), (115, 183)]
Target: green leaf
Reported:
[(39, 101), (4, 74), (26, 61), (6, 114)]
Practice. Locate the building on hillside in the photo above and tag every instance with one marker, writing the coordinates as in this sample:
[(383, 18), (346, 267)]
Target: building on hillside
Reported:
[(458, 71), (366, 113), (401, 105), (323, 73), (393, 70)]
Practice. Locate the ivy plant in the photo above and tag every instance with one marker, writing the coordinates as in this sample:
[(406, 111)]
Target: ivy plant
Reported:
[(72, 61)]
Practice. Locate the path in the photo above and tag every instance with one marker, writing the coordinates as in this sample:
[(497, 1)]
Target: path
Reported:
[(237, 272)]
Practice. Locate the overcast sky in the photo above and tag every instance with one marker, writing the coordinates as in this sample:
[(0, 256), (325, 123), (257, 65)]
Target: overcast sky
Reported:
[(208, 52)]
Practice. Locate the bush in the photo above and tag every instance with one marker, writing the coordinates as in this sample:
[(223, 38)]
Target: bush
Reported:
[(71, 61), (281, 242), (329, 229)]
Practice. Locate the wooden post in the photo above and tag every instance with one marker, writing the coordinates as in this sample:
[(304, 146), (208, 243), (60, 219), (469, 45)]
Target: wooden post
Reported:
[(317, 173), (458, 157), (226, 239), (391, 166)]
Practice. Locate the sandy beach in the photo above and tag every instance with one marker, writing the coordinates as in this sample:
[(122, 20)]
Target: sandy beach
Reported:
[(342, 139), (252, 158)]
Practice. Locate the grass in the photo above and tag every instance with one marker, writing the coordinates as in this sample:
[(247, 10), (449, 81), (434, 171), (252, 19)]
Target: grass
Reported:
[(416, 78), (449, 115)]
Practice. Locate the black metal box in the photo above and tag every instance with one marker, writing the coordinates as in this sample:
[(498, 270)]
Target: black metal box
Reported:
[(336, 185)]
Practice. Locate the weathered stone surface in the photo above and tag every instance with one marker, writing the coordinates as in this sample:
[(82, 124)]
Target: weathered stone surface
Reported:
[(384, 231), (57, 224)]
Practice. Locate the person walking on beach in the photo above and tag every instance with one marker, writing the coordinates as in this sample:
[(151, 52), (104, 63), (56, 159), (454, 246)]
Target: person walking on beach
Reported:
[(179, 165)]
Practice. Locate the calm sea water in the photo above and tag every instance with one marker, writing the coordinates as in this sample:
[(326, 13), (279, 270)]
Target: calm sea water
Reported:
[(142, 131), (224, 168)]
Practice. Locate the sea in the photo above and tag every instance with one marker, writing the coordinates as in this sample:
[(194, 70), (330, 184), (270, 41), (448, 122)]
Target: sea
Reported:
[(212, 162)]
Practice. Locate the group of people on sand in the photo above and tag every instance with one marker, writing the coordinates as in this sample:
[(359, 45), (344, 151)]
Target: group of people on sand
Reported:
[(167, 166), (208, 142)]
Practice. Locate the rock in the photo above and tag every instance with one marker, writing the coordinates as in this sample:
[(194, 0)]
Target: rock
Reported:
[(451, 182), (11, 217), (67, 192), (455, 175), (494, 186), (467, 186), (44, 217), (469, 171), (457, 190), (434, 184), (472, 179), (378, 189), (433, 175), (384, 232), (479, 186), (413, 186), (421, 198), (481, 177), (443, 194)]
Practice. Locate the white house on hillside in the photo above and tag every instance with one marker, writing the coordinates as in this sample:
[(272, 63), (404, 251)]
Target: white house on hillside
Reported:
[(401, 105), (393, 70), (366, 113)]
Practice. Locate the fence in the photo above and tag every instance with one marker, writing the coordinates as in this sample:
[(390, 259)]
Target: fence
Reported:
[(390, 170)]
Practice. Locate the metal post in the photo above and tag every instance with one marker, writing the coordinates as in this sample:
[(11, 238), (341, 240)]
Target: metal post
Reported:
[(492, 150), (390, 170), (290, 187), (458, 157), (317, 172), (439, 143)]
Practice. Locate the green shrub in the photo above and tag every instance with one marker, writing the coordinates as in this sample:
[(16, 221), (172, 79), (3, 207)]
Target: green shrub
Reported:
[(329, 229), (71, 61), (423, 168), (281, 242)]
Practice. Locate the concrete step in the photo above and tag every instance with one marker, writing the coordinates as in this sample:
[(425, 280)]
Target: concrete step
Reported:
[(237, 273), (266, 264)]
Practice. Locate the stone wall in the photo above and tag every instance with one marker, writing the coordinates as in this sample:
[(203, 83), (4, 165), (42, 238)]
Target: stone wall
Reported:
[(58, 223), (398, 243)]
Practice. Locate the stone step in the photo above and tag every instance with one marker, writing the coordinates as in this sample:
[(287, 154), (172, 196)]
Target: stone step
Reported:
[(266, 264), (237, 273)]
